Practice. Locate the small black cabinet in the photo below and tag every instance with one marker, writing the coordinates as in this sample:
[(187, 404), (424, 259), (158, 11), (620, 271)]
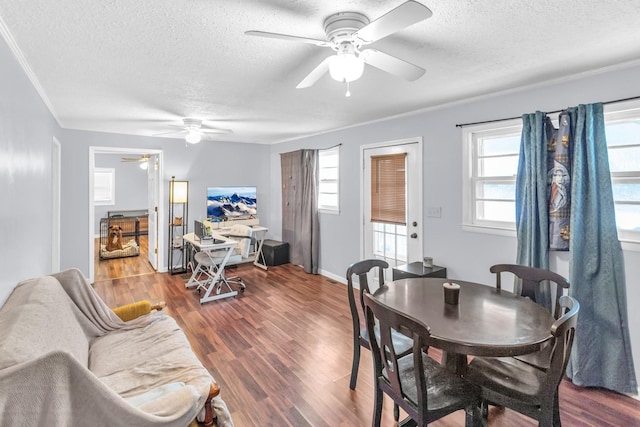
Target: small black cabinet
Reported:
[(416, 269)]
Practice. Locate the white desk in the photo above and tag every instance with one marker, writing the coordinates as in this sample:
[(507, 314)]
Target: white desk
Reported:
[(259, 233), (209, 247)]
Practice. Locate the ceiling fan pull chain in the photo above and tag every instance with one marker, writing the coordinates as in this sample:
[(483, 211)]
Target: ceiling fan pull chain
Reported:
[(348, 94)]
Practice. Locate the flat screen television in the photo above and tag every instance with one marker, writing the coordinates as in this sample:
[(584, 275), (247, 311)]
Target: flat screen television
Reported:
[(227, 203)]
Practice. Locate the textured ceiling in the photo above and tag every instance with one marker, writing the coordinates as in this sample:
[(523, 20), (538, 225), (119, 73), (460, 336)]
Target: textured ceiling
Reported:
[(139, 67)]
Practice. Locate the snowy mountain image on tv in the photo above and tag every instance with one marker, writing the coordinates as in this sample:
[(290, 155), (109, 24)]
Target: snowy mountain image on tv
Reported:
[(231, 202)]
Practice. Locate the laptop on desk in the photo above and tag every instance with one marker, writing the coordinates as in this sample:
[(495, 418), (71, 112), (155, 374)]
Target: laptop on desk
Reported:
[(200, 231)]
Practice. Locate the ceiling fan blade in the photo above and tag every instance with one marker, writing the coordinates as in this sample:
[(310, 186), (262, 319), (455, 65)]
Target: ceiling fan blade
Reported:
[(288, 37), (408, 13), (173, 132), (391, 64), (216, 130), (315, 75)]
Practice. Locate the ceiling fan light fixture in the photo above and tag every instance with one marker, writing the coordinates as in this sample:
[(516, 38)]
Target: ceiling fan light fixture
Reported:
[(193, 136), (346, 67)]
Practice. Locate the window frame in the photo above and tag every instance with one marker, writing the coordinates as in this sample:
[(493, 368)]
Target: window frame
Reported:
[(613, 113), (323, 153), (104, 196), (470, 136), (620, 113)]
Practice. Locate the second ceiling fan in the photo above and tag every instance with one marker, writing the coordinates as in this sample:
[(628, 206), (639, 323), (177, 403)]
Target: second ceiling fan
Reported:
[(348, 32)]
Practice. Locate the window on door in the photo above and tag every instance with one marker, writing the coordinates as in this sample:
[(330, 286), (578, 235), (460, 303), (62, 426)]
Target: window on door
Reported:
[(388, 207)]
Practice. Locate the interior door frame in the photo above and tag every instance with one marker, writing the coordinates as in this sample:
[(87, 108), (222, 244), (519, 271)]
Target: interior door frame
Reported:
[(56, 168), (93, 151), (416, 188)]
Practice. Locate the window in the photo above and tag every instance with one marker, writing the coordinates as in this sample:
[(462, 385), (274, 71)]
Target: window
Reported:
[(104, 186), (390, 243), (491, 153), (623, 141), (388, 189), (328, 178)]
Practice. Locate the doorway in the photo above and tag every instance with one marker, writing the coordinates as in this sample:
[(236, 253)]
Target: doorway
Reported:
[(148, 193), (397, 242)]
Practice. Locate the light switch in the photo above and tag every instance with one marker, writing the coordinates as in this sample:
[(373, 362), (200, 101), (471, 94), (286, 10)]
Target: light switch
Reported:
[(434, 212)]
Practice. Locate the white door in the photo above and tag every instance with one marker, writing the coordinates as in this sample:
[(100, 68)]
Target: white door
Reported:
[(153, 174), (396, 244)]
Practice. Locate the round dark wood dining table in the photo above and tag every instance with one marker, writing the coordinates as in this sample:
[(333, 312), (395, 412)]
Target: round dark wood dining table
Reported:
[(485, 322)]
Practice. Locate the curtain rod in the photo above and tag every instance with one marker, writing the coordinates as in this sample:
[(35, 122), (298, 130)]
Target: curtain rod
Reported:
[(551, 112)]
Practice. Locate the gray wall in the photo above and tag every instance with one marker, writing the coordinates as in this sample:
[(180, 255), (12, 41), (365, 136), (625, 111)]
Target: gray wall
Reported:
[(467, 255), (131, 185), (27, 129)]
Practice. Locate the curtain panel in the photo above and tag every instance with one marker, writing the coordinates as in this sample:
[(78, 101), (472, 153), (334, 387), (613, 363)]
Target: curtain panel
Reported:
[(300, 225), (578, 174), (601, 355), (532, 203)]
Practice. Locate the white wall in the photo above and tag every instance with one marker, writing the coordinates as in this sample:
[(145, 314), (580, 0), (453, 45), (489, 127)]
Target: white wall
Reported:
[(27, 129), (466, 255)]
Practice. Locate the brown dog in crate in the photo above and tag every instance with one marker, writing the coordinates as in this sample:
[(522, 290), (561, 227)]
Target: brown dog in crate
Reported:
[(114, 240)]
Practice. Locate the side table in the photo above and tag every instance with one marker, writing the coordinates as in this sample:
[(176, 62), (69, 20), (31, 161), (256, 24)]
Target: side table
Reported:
[(416, 269)]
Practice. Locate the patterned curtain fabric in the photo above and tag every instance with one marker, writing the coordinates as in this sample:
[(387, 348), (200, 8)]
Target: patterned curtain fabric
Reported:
[(559, 166), (532, 203), (300, 225), (601, 355)]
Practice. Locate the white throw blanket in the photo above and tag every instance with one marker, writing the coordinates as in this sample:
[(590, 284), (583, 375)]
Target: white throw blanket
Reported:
[(67, 360)]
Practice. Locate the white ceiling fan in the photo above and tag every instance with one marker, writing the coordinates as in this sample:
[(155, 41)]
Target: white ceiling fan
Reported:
[(143, 160), (348, 32), (194, 131)]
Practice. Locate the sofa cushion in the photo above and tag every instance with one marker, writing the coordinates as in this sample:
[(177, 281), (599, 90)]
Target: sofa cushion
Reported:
[(39, 318), (136, 361)]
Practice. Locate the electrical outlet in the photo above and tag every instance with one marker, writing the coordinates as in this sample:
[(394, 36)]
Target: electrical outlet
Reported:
[(434, 212)]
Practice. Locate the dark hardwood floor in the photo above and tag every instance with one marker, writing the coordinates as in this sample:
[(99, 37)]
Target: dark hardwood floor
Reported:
[(281, 352)]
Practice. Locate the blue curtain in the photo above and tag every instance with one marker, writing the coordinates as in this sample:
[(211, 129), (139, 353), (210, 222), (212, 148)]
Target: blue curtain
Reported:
[(601, 355), (532, 203)]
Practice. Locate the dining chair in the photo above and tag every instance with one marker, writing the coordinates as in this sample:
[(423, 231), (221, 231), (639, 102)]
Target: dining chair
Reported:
[(360, 334), (422, 387), (514, 384), (533, 280)]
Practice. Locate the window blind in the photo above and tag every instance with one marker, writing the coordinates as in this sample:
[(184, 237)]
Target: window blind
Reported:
[(388, 184)]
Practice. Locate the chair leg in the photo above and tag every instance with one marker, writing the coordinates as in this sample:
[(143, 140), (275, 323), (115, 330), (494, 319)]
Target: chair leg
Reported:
[(484, 411), (355, 365), (473, 416), (556, 412), (377, 405)]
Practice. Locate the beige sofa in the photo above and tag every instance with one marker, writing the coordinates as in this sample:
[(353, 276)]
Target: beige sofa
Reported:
[(66, 359)]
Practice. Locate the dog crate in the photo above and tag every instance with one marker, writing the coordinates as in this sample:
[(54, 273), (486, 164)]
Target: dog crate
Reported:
[(129, 236)]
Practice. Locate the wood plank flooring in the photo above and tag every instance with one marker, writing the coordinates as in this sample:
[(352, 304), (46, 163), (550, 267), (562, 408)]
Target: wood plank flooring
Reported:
[(281, 352), (122, 267)]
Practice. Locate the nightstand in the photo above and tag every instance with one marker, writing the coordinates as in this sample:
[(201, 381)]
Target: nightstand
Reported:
[(416, 269)]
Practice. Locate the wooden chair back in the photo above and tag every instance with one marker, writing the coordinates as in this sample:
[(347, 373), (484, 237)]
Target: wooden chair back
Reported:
[(563, 330), (386, 357), (360, 269), (413, 381), (360, 336), (533, 281)]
